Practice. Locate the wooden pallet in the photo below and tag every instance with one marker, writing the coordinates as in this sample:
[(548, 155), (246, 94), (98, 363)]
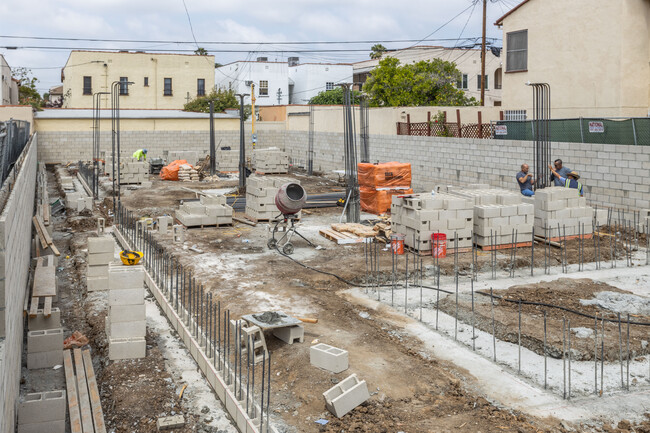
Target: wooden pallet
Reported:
[(84, 403), (504, 246), (342, 238)]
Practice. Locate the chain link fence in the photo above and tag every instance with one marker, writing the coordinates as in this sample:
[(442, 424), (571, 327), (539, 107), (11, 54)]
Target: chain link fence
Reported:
[(630, 131), (14, 135)]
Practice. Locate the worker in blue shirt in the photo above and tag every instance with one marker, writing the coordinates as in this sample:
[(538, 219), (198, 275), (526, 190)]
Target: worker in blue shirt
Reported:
[(525, 181), (561, 171), (571, 181)]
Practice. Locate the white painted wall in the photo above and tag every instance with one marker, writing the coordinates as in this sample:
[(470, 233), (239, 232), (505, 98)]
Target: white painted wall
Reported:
[(235, 75), (311, 78), (8, 89)]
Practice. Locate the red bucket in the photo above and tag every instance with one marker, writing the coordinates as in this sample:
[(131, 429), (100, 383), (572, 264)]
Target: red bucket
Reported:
[(439, 245), (397, 243)]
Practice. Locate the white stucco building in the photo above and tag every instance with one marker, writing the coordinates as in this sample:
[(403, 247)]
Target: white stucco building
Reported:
[(309, 79), (8, 86)]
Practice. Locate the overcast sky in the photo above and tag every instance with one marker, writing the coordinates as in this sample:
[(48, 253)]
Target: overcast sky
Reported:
[(243, 20)]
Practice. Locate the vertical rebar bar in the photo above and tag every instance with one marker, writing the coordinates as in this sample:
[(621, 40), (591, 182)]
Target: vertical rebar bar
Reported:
[(494, 338), (262, 397), (545, 355), (620, 349), (596, 354), (569, 354), (268, 395), (519, 339), (473, 318), (627, 353), (602, 355), (406, 281), (564, 358)]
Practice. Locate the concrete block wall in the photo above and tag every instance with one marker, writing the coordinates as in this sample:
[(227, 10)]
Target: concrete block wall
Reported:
[(613, 175), (15, 244)]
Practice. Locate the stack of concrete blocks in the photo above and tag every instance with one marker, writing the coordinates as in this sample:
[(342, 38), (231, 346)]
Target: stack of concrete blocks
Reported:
[(562, 207), (210, 210), (191, 156), (42, 412), (271, 160), (328, 357), (132, 171), (126, 325), (78, 201), (101, 252), (346, 395), (260, 196), (228, 160), (44, 348), (164, 224), (500, 213), (419, 216)]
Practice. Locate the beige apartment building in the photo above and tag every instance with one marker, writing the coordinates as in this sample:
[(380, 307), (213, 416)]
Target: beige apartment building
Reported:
[(594, 54), (159, 81)]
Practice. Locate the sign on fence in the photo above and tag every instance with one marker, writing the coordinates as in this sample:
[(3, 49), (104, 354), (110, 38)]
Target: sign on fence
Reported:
[(597, 127), (500, 129)]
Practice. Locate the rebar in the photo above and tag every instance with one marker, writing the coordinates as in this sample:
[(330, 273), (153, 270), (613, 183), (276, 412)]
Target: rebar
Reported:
[(596, 355), (602, 355), (262, 396), (620, 349), (569, 354), (473, 319), (564, 358), (494, 338), (545, 355), (456, 276), (627, 352), (519, 339), (406, 281)]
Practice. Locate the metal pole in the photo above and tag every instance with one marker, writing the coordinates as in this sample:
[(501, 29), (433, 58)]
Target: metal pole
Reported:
[(494, 338), (213, 152), (519, 339), (620, 349), (545, 355), (242, 144)]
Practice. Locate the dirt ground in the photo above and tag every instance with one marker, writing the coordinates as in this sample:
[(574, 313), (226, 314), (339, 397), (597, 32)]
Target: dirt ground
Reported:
[(564, 292)]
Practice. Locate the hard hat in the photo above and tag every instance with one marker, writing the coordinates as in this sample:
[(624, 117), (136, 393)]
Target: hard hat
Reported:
[(144, 150)]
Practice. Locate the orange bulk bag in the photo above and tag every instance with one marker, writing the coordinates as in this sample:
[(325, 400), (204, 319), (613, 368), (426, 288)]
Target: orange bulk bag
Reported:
[(385, 175), (170, 172)]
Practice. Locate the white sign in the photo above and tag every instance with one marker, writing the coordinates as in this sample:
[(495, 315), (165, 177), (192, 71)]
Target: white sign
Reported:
[(597, 127), (500, 129)]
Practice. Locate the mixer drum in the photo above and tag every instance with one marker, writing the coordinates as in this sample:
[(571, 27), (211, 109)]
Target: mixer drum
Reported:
[(290, 198)]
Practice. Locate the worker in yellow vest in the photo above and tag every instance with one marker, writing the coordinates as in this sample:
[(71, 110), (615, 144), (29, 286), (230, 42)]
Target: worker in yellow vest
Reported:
[(140, 154)]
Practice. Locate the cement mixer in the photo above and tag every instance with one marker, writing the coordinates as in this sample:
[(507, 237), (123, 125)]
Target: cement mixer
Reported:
[(290, 199)]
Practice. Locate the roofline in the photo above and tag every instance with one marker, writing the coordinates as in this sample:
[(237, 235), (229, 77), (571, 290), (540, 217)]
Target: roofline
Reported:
[(249, 61), (500, 20), (133, 52), (324, 64)]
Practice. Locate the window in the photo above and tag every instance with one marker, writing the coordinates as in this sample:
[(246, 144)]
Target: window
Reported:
[(264, 88), (515, 115), (200, 87), (478, 82), (124, 86), (88, 85), (517, 51), (168, 87), (146, 81), (462, 82), (498, 78), (329, 86)]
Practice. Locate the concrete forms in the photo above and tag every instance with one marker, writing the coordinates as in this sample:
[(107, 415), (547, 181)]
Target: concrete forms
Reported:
[(271, 161), (260, 196), (44, 348), (421, 215), (101, 251), (210, 210), (126, 324), (346, 395), (42, 412), (562, 208), (228, 160), (328, 357), (132, 171)]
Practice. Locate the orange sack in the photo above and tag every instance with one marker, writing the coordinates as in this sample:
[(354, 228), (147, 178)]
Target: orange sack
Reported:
[(378, 202), (385, 175), (170, 172)]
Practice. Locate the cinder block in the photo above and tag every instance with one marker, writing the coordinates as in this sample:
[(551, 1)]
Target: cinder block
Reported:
[(487, 211), (39, 360), (97, 271), (101, 244), (100, 258), (42, 407), (96, 283), (40, 322), (127, 329), (126, 348), (328, 357), (126, 296), (508, 211), (41, 427), (127, 313), (289, 334), (45, 340), (346, 395), (170, 422), (125, 277)]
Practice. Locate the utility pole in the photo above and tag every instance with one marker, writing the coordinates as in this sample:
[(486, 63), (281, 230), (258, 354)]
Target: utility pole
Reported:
[(242, 144), (483, 56)]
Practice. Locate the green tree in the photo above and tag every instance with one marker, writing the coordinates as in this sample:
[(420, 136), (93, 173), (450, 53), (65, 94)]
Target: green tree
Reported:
[(27, 93), (376, 51), (332, 97), (222, 98), (425, 83), (201, 51)]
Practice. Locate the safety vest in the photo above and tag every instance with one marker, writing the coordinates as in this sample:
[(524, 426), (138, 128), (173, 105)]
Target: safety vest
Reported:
[(572, 183), (140, 154)]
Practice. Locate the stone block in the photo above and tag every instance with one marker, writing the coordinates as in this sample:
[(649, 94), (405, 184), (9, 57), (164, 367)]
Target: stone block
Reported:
[(40, 360), (508, 211), (126, 348), (97, 271), (40, 322), (125, 277), (101, 244), (100, 258), (346, 395), (127, 329), (45, 340), (94, 284), (127, 313), (126, 296), (289, 334), (41, 407), (41, 427), (487, 211), (170, 422), (328, 357)]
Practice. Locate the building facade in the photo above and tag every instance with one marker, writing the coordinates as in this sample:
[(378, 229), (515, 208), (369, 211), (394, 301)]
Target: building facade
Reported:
[(159, 81), (467, 60), (271, 80), (309, 79), (594, 54), (8, 85)]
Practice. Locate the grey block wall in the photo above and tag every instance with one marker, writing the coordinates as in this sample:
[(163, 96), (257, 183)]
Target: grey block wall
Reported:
[(15, 251)]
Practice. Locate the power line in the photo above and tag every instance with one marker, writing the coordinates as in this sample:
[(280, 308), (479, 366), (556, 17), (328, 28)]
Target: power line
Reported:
[(465, 26), (433, 32)]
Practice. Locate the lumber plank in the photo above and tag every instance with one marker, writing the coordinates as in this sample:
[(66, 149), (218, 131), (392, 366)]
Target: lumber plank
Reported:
[(33, 308), (44, 279), (55, 250), (41, 236), (84, 402), (71, 386), (47, 308), (93, 390)]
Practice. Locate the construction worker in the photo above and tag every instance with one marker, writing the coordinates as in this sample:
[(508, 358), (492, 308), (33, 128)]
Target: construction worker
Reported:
[(525, 181), (140, 154), (571, 181)]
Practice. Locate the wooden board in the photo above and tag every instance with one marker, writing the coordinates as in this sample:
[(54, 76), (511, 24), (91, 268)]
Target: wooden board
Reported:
[(342, 238), (39, 230), (93, 390), (568, 238), (71, 386), (33, 308), (44, 279), (47, 308), (84, 401), (504, 246)]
